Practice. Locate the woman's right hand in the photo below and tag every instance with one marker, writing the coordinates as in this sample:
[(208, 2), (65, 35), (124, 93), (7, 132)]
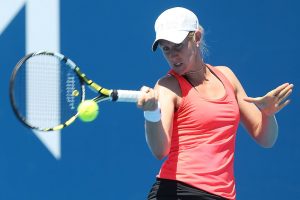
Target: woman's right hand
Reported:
[(148, 100)]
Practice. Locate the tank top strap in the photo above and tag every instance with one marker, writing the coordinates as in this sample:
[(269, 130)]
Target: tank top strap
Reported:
[(185, 86), (227, 84)]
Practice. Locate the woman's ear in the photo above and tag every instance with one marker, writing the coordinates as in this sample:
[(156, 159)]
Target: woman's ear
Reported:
[(197, 37)]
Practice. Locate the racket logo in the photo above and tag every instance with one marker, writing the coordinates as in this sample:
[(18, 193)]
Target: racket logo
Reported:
[(71, 92)]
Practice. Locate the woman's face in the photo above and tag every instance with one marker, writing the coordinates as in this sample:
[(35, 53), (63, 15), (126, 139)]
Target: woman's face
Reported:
[(181, 57)]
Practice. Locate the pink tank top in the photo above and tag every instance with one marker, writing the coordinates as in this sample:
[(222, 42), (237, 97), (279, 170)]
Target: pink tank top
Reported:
[(203, 140)]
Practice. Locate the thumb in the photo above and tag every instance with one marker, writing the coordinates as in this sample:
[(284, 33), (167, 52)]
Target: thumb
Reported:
[(251, 99)]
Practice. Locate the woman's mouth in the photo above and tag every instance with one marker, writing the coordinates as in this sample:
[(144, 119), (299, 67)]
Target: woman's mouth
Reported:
[(177, 64)]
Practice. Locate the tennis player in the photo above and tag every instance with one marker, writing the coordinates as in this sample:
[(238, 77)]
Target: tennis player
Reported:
[(193, 113)]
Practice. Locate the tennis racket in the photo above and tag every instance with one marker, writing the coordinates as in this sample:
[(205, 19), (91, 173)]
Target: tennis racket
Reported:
[(46, 88)]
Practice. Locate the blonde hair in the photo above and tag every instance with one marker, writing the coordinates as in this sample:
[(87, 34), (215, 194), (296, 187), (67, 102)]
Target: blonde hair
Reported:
[(202, 46)]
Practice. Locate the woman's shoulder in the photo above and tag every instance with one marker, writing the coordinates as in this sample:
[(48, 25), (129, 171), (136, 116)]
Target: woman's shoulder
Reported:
[(168, 84), (224, 69), (228, 73), (168, 80)]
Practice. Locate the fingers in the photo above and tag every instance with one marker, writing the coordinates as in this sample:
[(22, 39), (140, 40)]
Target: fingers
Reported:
[(145, 89), (281, 106), (281, 90), (141, 100), (284, 92), (281, 93), (283, 98), (148, 99), (274, 100)]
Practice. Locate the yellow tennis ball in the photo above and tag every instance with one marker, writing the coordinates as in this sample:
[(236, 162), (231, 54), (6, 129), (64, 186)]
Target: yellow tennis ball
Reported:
[(88, 110)]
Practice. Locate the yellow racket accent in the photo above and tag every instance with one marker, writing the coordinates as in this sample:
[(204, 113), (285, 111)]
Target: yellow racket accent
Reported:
[(75, 93), (61, 126), (56, 128), (92, 83)]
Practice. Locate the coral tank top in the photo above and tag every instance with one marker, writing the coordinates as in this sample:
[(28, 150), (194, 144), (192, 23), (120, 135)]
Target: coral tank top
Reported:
[(203, 139)]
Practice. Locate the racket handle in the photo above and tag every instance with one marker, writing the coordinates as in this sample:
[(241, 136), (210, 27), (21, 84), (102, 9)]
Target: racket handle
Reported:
[(125, 95)]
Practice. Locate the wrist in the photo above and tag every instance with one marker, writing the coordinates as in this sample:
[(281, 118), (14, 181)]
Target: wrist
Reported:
[(153, 115), (267, 114)]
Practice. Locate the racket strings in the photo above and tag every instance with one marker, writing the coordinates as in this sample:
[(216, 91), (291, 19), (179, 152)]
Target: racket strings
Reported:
[(42, 82), (47, 92)]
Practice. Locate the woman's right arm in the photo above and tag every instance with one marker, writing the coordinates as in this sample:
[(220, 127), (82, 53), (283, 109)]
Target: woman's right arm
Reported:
[(158, 134)]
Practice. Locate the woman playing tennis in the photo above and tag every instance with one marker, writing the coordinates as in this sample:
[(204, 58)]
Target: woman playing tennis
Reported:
[(193, 113)]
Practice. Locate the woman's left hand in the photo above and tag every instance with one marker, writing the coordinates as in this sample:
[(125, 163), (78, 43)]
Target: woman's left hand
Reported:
[(274, 100)]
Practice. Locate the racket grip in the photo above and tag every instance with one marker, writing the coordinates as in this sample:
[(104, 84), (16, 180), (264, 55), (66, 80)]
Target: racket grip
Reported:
[(125, 95)]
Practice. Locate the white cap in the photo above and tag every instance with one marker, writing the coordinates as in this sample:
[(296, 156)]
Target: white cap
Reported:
[(174, 25)]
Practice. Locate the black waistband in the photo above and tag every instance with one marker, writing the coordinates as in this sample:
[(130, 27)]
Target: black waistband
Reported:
[(165, 189)]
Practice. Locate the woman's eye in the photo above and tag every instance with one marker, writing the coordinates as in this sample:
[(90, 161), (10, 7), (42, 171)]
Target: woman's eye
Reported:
[(178, 46), (165, 49)]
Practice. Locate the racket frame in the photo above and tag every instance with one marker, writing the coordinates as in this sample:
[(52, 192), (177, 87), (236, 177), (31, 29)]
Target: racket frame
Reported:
[(103, 93)]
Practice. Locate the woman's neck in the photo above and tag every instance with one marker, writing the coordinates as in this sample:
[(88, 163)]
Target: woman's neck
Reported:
[(197, 76)]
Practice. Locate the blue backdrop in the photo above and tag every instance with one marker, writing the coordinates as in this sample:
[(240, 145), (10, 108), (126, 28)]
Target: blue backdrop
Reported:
[(111, 41)]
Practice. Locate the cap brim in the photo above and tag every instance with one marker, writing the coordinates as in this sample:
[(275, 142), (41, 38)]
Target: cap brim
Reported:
[(174, 37)]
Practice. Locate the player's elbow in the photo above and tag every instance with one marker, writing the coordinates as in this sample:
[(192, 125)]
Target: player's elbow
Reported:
[(267, 142), (159, 155), (266, 139), (159, 152)]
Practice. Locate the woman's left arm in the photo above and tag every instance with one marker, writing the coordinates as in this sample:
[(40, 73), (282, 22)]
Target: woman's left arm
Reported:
[(258, 114)]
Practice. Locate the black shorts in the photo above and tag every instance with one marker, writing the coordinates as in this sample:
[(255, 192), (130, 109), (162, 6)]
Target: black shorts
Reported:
[(164, 189)]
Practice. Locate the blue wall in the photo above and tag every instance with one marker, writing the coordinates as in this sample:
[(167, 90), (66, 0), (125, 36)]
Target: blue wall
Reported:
[(111, 41)]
